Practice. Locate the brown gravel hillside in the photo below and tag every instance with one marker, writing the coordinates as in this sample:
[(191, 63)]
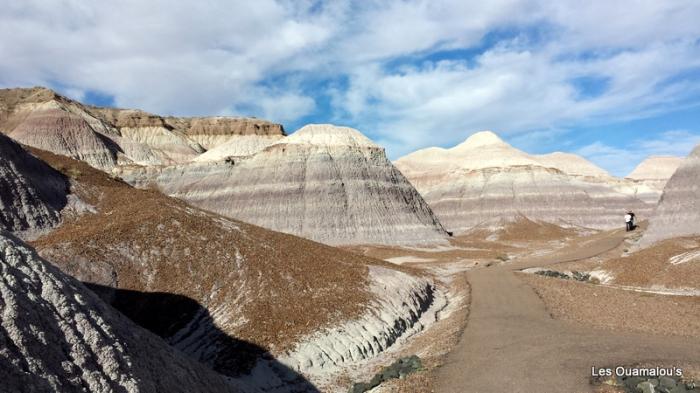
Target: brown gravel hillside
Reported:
[(618, 309), (655, 265)]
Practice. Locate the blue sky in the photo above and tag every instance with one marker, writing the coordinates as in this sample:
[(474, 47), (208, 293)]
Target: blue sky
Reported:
[(613, 81)]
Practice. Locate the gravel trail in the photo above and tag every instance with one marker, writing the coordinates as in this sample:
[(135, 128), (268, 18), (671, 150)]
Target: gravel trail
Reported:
[(512, 344)]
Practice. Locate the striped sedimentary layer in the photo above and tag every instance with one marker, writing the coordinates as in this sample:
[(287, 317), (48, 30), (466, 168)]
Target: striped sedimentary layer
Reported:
[(107, 137), (60, 127), (326, 183), (678, 212), (542, 194), (485, 179)]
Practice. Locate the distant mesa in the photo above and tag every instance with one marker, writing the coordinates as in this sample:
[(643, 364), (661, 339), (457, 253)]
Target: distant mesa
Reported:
[(109, 137), (484, 179)]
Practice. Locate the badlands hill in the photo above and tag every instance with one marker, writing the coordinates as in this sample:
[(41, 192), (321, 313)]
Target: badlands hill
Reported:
[(57, 336), (326, 183), (484, 179), (106, 137), (650, 176), (678, 212), (32, 194), (224, 292)]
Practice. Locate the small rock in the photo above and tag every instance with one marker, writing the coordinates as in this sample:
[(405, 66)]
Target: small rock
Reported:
[(360, 387), (399, 369), (646, 387), (578, 276), (553, 273), (632, 382), (679, 389), (667, 382)]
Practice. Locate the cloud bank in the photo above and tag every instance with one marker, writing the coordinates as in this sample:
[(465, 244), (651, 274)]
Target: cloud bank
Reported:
[(408, 73)]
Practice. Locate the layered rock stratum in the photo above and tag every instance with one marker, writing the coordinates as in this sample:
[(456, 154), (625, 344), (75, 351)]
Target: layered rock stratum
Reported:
[(326, 183), (678, 212), (650, 176), (32, 194), (57, 336), (46, 120), (108, 137), (484, 179)]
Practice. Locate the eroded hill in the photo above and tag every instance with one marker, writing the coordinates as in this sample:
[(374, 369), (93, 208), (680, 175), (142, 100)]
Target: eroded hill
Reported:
[(147, 254)]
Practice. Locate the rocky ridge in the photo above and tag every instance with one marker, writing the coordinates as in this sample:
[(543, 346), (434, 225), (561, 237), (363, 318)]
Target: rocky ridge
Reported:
[(485, 179), (108, 137)]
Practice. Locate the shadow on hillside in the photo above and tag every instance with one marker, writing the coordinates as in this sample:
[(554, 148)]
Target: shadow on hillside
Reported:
[(51, 186), (189, 327)]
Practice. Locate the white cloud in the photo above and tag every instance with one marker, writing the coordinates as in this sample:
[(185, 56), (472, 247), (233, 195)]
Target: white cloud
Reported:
[(159, 56), (512, 91), (220, 57), (284, 107)]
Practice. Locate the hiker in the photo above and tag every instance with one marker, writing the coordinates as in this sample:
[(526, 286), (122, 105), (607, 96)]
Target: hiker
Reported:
[(629, 221), (633, 221)]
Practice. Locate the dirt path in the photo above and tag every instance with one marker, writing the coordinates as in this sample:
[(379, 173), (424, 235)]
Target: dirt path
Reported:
[(511, 344)]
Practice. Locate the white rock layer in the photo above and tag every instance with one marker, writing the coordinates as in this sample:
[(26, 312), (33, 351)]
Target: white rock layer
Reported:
[(656, 168), (572, 164), (404, 305), (241, 146)]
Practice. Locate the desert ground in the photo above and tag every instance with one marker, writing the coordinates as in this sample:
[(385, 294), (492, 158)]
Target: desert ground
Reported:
[(515, 330)]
